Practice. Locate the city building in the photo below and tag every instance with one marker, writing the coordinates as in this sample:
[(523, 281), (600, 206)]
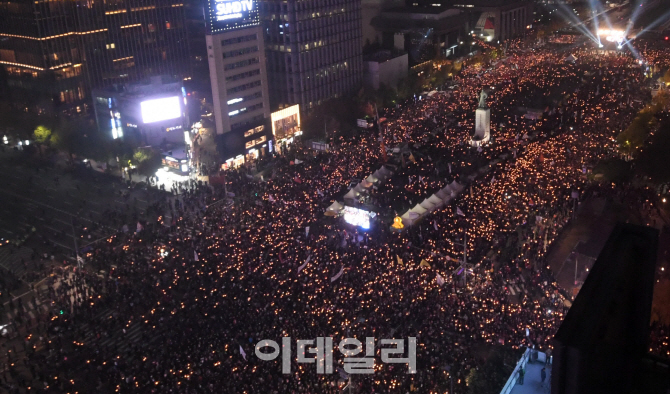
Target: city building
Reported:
[(371, 9), (497, 20), (313, 49), (54, 53), (239, 80), (150, 113), (422, 32), (385, 67)]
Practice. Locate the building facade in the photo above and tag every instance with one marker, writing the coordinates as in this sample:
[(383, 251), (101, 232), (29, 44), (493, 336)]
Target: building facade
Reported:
[(313, 49), (498, 19), (54, 53), (386, 67), (239, 80)]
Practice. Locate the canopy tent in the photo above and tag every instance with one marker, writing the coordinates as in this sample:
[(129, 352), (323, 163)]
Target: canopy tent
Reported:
[(365, 183), (443, 195), (372, 178), (335, 207), (457, 187), (351, 194), (385, 172), (359, 188), (419, 209), (438, 202), (409, 218), (427, 205)]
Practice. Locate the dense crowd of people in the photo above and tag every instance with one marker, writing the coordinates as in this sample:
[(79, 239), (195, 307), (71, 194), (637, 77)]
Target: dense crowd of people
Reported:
[(263, 262)]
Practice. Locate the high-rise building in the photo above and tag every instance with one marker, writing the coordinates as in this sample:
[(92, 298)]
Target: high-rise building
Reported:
[(313, 49), (239, 80), (53, 53)]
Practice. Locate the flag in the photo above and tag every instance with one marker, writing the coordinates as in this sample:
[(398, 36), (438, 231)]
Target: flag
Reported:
[(411, 158), (319, 192), (195, 256), (336, 277), (243, 353), (440, 280), (399, 260), (493, 179), (424, 263), (270, 198), (306, 231), (450, 168), (139, 227), (281, 260), (305, 265), (459, 212), (435, 224)]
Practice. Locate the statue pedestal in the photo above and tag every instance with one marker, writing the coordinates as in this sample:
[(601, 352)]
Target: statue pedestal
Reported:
[(482, 127)]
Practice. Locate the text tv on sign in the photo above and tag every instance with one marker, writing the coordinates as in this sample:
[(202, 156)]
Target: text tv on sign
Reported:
[(226, 10), (160, 109)]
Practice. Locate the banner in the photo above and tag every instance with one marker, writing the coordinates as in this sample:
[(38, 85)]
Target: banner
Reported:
[(336, 277)]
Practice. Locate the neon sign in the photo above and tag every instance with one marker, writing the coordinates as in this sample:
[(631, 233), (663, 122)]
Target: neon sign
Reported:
[(226, 15), (232, 9)]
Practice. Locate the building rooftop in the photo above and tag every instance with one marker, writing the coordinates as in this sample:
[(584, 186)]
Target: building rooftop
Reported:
[(383, 56)]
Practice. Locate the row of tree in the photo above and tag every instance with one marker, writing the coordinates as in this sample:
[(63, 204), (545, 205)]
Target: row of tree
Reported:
[(79, 138), (633, 138)]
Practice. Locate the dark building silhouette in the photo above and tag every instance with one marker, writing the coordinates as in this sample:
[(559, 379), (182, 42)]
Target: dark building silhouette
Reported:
[(54, 52), (602, 345)]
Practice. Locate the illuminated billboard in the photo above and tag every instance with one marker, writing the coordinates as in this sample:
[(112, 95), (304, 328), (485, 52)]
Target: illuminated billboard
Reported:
[(358, 217), (160, 109), (224, 15), (286, 122)]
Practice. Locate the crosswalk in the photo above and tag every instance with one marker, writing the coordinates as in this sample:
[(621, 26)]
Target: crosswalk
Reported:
[(28, 310), (120, 339), (10, 259), (515, 288)]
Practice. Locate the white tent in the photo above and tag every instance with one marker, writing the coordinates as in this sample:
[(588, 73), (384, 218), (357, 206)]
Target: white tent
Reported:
[(335, 207), (457, 186), (359, 188), (385, 172), (409, 218), (365, 183), (438, 202), (447, 190), (419, 209), (372, 178), (442, 195), (351, 194), (427, 205)]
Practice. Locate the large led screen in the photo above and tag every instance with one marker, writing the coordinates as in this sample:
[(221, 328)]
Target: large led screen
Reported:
[(225, 15), (160, 109), (358, 217)]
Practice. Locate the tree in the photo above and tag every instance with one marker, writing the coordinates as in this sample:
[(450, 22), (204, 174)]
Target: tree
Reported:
[(42, 137), (492, 376), (634, 136), (42, 134), (147, 161)]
